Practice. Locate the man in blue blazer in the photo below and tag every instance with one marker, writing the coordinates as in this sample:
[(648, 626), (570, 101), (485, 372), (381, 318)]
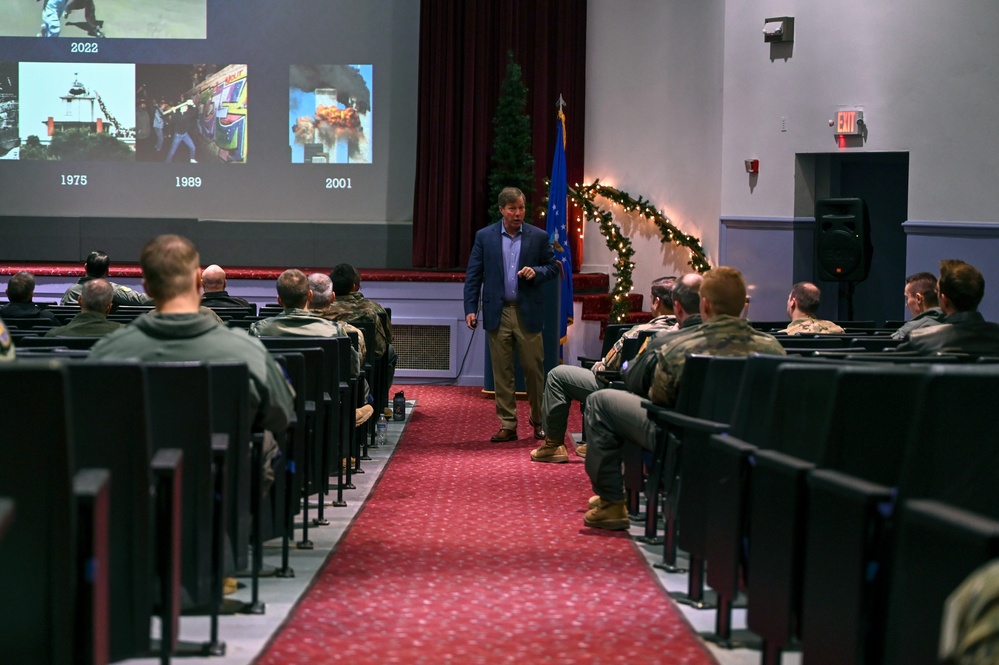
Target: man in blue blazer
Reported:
[(509, 262)]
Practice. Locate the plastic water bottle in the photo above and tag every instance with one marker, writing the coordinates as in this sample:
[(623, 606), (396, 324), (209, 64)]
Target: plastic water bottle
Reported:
[(381, 431)]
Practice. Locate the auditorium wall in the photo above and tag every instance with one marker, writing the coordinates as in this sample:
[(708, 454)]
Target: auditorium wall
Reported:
[(703, 92)]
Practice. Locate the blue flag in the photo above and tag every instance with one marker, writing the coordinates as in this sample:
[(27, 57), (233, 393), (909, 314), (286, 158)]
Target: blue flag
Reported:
[(558, 226)]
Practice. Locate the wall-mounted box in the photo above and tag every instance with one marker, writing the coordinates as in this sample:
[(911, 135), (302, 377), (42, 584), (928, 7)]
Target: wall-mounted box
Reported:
[(778, 29)]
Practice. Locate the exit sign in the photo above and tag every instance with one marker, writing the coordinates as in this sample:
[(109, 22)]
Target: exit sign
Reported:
[(849, 122)]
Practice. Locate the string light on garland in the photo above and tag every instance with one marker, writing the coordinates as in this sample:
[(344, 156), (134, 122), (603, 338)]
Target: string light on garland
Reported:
[(582, 197)]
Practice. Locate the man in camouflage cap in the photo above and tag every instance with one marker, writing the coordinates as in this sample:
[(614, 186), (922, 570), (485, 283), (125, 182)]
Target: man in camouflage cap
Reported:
[(351, 306), (802, 306), (616, 417)]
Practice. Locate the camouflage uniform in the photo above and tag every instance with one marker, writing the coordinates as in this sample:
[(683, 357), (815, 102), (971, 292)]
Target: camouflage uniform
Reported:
[(720, 336), (812, 326), (6, 344), (565, 383), (614, 417), (970, 634), (355, 307), (301, 322), (122, 294), (612, 361)]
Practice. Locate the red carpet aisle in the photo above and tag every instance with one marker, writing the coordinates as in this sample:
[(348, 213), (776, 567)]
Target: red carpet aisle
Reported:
[(468, 552)]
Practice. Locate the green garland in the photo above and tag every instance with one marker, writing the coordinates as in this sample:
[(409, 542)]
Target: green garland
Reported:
[(621, 244)]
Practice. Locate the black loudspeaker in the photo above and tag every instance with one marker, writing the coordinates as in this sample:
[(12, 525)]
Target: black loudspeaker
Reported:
[(842, 240)]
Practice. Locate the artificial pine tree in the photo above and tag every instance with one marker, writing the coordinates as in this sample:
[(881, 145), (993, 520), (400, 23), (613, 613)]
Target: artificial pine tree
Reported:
[(513, 165)]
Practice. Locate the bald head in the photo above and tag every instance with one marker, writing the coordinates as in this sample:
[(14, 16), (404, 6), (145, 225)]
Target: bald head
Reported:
[(213, 278), (687, 296)]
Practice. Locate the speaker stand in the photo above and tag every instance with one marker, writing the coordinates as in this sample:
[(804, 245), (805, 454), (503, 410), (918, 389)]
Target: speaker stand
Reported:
[(850, 288)]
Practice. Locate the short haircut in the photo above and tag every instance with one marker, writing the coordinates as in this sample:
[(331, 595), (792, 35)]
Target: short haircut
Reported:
[(725, 288), (807, 296), (344, 277), (510, 195), (322, 290), (662, 288), (169, 266), (96, 296), (926, 284), (21, 287), (293, 288), (962, 283), (687, 292), (98, 264)]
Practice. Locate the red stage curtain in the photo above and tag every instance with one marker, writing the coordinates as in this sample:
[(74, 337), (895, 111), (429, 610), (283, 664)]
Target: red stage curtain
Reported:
[(463, 56)]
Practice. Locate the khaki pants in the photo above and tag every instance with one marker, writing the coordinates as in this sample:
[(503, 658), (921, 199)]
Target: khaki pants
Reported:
[(511, 337)]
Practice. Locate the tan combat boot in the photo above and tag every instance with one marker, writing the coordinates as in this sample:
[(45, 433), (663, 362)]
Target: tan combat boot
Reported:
[(550, 451)]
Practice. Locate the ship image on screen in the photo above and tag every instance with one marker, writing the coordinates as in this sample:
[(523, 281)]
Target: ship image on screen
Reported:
[(75, 19), (8, 111), (76, 111), (330, 114), (194, 113)]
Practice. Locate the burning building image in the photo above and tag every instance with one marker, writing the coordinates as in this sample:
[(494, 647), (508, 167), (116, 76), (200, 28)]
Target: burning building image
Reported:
[(330, 114)]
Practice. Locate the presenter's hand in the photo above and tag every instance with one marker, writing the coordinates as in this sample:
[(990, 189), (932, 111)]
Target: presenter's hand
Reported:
[(527, 272), (471, 321)]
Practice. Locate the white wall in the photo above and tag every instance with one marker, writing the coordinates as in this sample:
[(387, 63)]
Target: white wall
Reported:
[(922, 70), (653, 116), (679, 93)]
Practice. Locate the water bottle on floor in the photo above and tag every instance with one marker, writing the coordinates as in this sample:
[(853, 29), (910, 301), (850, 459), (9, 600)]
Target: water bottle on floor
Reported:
[(381, 431), (399, 406)]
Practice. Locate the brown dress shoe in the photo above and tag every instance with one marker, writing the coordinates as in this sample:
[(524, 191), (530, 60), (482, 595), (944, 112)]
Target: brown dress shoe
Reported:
[(504, 434), (539, 431)]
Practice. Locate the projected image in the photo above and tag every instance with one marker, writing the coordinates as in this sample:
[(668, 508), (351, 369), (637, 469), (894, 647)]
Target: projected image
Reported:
[(9, 140), (177, 19), (191, 113), (76, 111), (330, 114)]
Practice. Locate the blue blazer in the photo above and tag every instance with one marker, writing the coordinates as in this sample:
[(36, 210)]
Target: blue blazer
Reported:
[(485, 272)]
